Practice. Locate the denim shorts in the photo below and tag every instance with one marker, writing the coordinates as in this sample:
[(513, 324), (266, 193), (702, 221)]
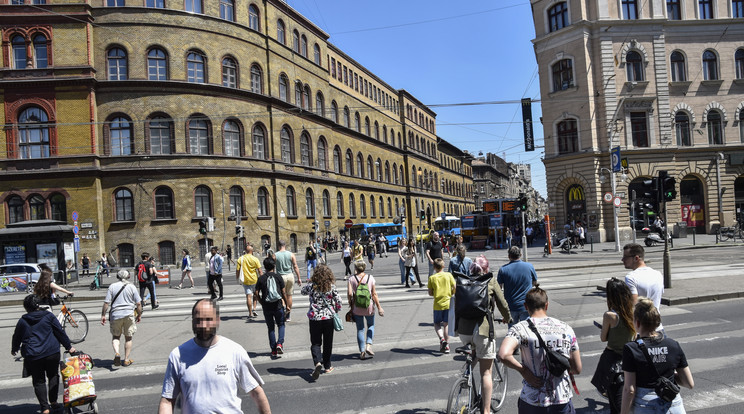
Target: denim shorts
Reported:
[(441, 316), (647, 402), (249, 289)]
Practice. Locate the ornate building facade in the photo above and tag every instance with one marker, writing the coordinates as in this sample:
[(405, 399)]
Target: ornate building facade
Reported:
[(146, 117), (661, 80)]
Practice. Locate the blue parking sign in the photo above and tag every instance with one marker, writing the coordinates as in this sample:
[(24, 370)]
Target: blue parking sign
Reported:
[(615, 159)]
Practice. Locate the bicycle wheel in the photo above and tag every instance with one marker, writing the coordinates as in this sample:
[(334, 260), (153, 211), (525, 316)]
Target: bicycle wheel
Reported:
[(724, 235), (76, 326), (499, 374), (459, 398)]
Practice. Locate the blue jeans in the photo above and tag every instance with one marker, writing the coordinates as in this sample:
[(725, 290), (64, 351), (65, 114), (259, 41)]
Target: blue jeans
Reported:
[(402, 266), (311, 265), (275, 318), (646, 402), (360, 329), (518, 316)]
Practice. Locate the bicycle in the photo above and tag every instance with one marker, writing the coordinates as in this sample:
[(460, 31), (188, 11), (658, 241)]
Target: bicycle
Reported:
[(725, 233), (96, 283), (465, 397), (73, 321)]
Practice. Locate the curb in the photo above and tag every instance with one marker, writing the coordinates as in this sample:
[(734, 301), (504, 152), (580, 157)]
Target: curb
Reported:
[(702, 298)]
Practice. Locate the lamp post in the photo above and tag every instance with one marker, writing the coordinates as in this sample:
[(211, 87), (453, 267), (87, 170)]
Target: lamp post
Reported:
[(614, 209)]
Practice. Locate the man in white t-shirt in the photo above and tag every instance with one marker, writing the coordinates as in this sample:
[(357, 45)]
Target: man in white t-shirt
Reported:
[(642, 280), (207, 371)]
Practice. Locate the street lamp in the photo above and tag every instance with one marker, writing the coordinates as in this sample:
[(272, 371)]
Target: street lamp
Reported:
[(614, 209)]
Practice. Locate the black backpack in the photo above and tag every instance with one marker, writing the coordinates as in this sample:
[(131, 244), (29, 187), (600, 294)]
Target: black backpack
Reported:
[(472, 300)]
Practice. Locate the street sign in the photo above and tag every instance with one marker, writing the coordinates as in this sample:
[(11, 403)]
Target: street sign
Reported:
[(617, 202), (327, 223), (75, 229), (74, 216), (444, 216), (77, 244), (348, 223), (607, 197), (615, 153)]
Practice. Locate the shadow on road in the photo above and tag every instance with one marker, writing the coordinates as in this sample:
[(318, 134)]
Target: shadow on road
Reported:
[(417, 351), (593, 406)]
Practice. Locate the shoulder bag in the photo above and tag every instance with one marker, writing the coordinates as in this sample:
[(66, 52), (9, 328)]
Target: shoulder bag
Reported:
[(665, 388), (555, 362), (111, 308), (338, 324)]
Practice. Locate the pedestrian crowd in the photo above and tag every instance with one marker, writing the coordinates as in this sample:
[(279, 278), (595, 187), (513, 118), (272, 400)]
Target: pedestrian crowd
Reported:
[(640, 370)]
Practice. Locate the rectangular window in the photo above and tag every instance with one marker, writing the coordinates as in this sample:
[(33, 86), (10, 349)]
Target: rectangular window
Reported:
[(737, 8), (227, 10), (639, 129), (356, 82), (705, 8), (346, 76), (193, 6), (340, 76), (115, 3), (674, 12), (155, 4), (630, 9), (333, 68)]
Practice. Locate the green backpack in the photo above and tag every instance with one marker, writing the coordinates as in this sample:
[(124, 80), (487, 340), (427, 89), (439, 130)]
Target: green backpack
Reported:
[(362, 295)]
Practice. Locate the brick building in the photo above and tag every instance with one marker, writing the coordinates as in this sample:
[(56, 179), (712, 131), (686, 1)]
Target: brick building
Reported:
[(145, 118)]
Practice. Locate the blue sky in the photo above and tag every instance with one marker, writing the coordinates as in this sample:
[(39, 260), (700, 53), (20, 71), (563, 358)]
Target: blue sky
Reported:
[(446, 52)]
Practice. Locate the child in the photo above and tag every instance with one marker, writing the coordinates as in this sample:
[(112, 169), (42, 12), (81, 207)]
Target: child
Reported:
[(442, 287)]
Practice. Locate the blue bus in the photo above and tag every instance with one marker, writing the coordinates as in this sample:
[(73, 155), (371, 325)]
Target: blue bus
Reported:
[(391, 231), (447, 227)]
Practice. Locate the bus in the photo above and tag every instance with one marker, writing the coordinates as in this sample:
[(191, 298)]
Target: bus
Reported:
[(391, 231), (475, 225), (447, 227)]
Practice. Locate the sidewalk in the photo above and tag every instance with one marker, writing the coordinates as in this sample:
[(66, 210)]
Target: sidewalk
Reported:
[(703, 289)]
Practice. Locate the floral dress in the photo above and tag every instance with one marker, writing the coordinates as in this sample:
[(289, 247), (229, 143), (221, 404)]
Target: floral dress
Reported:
[(322, 305)]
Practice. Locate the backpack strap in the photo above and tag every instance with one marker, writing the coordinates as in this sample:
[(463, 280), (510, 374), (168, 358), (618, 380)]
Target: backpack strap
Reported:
[(644, 351)]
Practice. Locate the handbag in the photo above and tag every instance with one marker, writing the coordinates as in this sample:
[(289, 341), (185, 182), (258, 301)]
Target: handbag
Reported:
[(556, 363), (349, 316), (665, 388), (338, 324)]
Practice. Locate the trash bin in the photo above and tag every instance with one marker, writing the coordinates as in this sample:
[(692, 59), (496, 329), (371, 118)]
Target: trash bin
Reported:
[(680, 230)]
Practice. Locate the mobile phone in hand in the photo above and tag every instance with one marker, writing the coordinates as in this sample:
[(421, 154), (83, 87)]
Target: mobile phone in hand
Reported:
[(598, 325)]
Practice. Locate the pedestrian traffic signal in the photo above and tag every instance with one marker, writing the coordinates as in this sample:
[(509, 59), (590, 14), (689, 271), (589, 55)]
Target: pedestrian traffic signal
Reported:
[(203, 226), (240, 231), (667, 184), (650, 190), (523, 202)]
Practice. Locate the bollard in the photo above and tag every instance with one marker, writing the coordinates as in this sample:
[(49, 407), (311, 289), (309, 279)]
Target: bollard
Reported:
[(693, 236), (591, 243)]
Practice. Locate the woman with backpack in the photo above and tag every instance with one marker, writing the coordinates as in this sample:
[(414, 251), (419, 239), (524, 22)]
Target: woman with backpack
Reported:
[(363, 298)]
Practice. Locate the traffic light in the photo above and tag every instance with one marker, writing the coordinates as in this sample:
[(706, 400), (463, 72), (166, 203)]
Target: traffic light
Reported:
[(523, 202), (203, 226), (650, 191), (666, 186), (240, 231), (422, 214)]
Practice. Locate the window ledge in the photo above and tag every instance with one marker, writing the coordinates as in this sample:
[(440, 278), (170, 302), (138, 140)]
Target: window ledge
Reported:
[(340, 217), (680, 83), (739, 81), (124, 222), (712, 82), (263, 218), (164, 220), (291, 216), (635, 84), (327, 217), (571, 88)]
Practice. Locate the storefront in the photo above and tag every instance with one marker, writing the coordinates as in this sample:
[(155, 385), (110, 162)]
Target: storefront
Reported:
[(38, 241)]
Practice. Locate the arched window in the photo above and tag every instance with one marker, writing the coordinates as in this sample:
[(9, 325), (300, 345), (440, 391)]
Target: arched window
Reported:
[(715, 128), (283, 88), (281, 32), (236, 201), (117, 64), (58, 205), (347, 117), (227, 10), (322, 154), (558, 17), (378, 169), (387, 172), (306, 156), (15, 209), (568, 136), (229, 73), (296, 41), (124, 208), (326, 204), (157, 65), (33, 133), (372, 209), (679, 73), (390, 207), (562, 75), (291, 202), (306, 98), (164, 203), (319, 104), (253, 18), (384, 134), (334, 111), (298, 94), (199, 136), (259, 142), (309, 203), (349, 163), (362, 206), (710, 65), (256, 79), (303, 46), (120, 136), (285, 138), (357, 122), (231, 137), (413, 177), (682, 128), (36, 207), (367, 129), (337, 160), (316, 54), (196, 67), (741, 125), (397, 208), (377, 131), (160, 129), (634, 64), (370, 169), (41, 51), (18, 45), (202, 202), (395, 174), (360, 166), (382, 207), (739, 60), (262, 198), (340, 205), (352, 206)]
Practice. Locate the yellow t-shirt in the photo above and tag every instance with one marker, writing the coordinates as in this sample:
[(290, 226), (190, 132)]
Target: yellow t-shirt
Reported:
[(248, 266), (442, 285)]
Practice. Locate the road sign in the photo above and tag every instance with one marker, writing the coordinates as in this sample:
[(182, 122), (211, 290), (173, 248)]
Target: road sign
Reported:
[(327, 223), (615, 153), (607, 197), (617, 202), (74, 216), (77, 243), (444, 216), (75, 229), (348, 223)]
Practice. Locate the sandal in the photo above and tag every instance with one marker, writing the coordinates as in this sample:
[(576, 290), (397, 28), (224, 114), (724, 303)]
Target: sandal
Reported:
[(127, 363), (369, 350), (117, 360)]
